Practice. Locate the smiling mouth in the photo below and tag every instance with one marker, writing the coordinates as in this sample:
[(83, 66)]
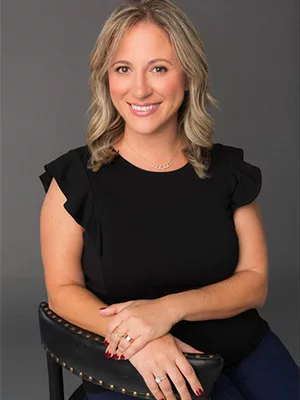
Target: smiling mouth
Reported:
[(149, 105)]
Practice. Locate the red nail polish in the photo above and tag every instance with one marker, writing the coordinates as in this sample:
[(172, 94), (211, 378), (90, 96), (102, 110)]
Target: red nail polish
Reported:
[(107, 354), (116, 357), (102, 308), (199, 392), (106, 343), (123, 358)]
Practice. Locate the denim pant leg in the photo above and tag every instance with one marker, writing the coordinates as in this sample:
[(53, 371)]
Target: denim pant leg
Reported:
[(224, 389), (269, 372)]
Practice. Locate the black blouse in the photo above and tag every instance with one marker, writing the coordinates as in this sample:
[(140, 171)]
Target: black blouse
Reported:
[(148, 234)]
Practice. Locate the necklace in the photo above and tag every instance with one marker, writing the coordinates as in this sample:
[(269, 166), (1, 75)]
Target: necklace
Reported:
[(153, 165)]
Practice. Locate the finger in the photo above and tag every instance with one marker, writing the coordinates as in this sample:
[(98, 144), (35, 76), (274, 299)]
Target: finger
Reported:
[(113, 340), (164, 386), (115, 308), (124, 345), (153, 386), (135, 346), (177, 378), (110, 310), (115, 325), (189, 373)]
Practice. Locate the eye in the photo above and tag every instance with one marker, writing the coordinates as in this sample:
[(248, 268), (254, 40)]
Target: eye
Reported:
[(161, 67), (117, 69), (124, 66)]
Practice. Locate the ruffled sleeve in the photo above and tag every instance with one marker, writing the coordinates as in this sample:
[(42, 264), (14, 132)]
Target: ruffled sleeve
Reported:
[(243, 180), (70, 174), (246, 179)]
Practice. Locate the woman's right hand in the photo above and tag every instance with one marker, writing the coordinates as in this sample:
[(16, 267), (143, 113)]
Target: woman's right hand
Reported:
[(163, 356)]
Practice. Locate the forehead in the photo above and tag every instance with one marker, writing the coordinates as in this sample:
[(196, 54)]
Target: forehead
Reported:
[(145, 39)]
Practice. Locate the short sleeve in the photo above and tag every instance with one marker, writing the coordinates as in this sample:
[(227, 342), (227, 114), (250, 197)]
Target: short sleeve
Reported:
[(70, 174), (246, 179)]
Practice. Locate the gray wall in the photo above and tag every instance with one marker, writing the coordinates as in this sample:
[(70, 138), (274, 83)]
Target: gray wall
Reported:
[(253, 56)]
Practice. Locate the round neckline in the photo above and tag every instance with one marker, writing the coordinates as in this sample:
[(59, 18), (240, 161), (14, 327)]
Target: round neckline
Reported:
[(174, 171)]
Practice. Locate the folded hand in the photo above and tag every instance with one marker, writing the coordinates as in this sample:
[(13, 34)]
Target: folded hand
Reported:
[(134, 324), (163, 358)]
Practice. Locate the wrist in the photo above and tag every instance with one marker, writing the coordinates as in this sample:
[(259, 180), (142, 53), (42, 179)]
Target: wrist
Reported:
[(173, 306)]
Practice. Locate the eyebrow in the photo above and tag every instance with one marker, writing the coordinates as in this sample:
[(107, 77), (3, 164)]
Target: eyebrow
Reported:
[(149, 63)]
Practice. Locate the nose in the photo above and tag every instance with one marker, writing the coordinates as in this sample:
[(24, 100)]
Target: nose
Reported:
[(140, 86)]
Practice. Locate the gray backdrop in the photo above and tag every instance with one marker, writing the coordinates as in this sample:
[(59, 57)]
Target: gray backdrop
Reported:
[(253, 57)]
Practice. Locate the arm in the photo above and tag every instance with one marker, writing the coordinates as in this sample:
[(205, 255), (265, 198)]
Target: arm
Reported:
[(246, 288), (61, 248)]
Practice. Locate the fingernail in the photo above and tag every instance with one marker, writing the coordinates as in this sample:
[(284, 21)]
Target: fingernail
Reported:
[(102, 308), (199, 392), (106, 343), (116, 357), (107, 354), (122, 357)]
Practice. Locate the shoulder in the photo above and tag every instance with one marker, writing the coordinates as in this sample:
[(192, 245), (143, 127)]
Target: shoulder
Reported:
[(68, 168), (226, 154), (242, 179), (70, 172)]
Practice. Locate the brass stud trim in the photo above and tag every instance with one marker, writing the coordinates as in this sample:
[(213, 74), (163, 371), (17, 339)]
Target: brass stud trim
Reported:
[(95, 337)]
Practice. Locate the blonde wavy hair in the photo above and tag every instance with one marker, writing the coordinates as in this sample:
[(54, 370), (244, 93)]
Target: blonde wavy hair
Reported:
[(195, 124)]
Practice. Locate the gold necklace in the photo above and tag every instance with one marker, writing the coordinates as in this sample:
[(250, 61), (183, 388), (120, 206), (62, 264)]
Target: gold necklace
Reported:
[(156, 166)]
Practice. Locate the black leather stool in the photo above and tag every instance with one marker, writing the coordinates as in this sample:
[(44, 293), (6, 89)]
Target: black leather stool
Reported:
[(81, 352)]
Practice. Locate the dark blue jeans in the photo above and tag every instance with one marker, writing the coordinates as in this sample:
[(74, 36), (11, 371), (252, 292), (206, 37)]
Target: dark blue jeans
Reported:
[(268, 373)]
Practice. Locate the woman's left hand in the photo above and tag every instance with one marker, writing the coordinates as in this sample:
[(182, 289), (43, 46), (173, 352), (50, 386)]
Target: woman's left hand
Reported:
[(142, 320)]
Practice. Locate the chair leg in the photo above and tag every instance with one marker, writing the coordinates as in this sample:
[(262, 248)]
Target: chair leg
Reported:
[(55, 376)]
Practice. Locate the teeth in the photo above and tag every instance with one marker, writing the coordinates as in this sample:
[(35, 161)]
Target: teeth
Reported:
[(144, 108)]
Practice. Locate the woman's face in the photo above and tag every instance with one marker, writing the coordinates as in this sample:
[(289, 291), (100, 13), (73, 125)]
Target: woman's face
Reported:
[(139, 80)]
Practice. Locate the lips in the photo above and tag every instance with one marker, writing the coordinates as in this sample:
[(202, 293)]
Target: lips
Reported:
[(144, 113), (144, 105)]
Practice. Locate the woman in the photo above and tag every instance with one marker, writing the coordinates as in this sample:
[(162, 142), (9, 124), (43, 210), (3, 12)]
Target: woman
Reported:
[(154, 221)]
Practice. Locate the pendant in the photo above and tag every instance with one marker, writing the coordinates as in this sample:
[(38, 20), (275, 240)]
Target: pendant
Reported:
[(162, 166)]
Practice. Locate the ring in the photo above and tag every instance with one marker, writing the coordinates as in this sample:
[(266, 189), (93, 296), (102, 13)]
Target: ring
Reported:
[(128, 338), (119, 334), (158, 379)]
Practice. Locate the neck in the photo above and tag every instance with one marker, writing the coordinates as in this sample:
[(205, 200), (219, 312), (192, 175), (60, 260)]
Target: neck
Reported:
[(156, 147)]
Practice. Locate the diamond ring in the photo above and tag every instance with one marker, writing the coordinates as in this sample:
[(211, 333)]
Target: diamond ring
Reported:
[(158, 379)]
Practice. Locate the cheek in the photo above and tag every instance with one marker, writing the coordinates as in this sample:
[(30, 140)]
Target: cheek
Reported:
[(117, 87), (172, 87)]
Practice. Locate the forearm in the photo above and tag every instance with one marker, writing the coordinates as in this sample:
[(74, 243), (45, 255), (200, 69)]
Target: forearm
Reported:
[(240, 292), (81, 307)]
